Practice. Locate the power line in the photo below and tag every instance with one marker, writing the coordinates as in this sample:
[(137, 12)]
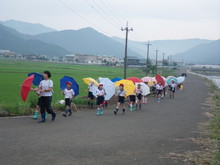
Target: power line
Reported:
[(113, 14), (101, 13), (84, 19), (134, 35), (105, 13)]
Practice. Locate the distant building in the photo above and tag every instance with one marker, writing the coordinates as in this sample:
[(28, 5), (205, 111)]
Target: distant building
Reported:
[(70, 58), (132, 60), (95, 59), (7, 54)]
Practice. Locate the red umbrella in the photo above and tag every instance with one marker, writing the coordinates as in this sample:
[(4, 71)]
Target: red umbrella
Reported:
[(160, 79), (135, 79), (26, 86)]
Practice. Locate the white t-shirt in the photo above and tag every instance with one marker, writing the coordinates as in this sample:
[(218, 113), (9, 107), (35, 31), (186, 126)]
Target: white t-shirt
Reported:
[(68, 93), (139, 90), (44, 85), (90, 87), (121, 93), (173, 85), (100, 92), (159, 87)]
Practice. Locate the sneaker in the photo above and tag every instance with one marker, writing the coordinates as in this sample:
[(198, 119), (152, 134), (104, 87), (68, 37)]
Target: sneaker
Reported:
[(70, 113), (53, 117), (64, 115), (123, 111), (42, 121), (98, 112)]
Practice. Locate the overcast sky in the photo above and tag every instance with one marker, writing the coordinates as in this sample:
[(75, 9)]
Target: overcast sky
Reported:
[(150, 19)]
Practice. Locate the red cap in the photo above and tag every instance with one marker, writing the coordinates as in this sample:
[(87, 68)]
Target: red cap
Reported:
[(100, 84), (121, 85), (68, 83)]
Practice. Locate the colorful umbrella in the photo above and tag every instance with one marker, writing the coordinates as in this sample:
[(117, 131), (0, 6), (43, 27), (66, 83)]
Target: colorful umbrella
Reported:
[(164, 78), (74, 86), (26, 86), (146, 79), (89, 80), (145, 89), (38, 77), (109, 87), (181, 79), (116, 79), (151, 81), (160, 79), (134, 79), (170, 78), (129, 86)]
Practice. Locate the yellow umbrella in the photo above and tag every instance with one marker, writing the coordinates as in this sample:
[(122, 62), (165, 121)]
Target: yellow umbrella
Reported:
[(129, 86), (89, 80)]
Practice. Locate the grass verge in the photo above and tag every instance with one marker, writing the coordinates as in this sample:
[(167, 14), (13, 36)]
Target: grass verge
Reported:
[(214, 124)]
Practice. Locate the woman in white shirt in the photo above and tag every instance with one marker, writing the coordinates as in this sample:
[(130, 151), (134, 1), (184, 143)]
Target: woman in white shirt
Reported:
[(46, 90), (69, 95), (100, 92)]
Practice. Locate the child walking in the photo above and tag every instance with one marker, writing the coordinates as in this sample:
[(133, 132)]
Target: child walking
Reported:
[(37, 110), (69, 95), (132, 99), (144, 100), (100, 92), (154, 88), (159, 88), (90, 95), (121, 93), (172, 87), (139, 96)]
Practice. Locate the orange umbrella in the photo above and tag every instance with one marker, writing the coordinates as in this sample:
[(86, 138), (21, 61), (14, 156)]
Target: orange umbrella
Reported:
[(26, 86)]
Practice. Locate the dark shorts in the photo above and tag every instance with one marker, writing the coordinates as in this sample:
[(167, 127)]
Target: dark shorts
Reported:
[(159, 92), (39, 101), (153, 89), (91, 96), (121, 99), (67, 102), (172, 89), (139, 96), (132, 98), (100, 100)]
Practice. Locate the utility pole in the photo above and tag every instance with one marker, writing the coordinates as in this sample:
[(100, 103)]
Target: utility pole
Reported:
[(156, 59), (163, 59), (147, 62), (126, 47)]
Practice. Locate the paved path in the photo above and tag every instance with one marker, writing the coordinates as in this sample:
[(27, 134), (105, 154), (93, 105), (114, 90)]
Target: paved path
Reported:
[(136, 138)]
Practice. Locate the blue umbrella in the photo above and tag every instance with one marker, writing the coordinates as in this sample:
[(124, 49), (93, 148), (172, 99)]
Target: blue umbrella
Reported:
[(116, 79), (66, 79), (37, 78), (170, 78)]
